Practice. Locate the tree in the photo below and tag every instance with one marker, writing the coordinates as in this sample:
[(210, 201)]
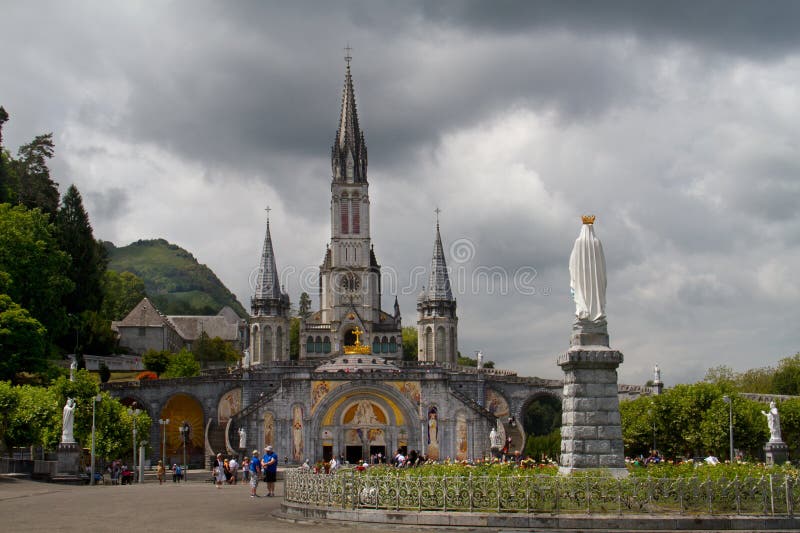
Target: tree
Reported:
[(156, 360), (9, 399), (182, 365), (29, 254), (6, 189), (37, 420), (304, 305), (95, 334), (787, 377), (74, 234), (121, 292), (410, 345), (207, 350), (23, 345), (104, 372), (35, 188)]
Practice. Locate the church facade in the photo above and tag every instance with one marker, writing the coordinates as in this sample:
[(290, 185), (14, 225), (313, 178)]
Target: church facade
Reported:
[(350, 393)]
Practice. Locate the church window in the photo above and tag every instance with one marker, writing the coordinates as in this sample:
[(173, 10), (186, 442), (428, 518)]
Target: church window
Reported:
[(385, 345), (278, 343), (376, 345), (344, 207), (267, 343), (440, 343), (392, 345), (356, 207), (429, 342), (453, 350), (326, 345), (310, 345), (318, 345)]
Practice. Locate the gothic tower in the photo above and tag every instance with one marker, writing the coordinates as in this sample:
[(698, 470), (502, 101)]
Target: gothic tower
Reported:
[(269, 311), (437, 322), (350, 276)]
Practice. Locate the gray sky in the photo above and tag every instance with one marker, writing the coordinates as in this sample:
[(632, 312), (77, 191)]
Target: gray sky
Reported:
[(676, 123)]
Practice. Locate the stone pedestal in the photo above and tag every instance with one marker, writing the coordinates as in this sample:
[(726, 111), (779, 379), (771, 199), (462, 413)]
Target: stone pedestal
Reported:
[(69, 458), (591, 434), (776, 453)]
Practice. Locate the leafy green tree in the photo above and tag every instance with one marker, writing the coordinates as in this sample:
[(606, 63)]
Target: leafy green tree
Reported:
[(74, 234), (304, 305), (95, 334), (121, 292), (182, 365), (6, 189), (787, 377), (23, 346), (29, 254), (156, 360), (640, 419), (294, 338), (37, 419), (541, 446), (208, 350), (104, 372), (755, 380), (469, 361), (35, 187), (410, 345), (9, 399), (542, 416)]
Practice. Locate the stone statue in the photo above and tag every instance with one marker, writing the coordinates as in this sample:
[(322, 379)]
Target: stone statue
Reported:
[(67, 419), (480, 359), (73, 367), (774, 423), (587, 274), (242, 438), (246, 359), (656, 374), (494, 439)]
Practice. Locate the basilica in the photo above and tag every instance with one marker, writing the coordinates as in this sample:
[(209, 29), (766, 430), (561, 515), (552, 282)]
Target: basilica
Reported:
[(350, 393)]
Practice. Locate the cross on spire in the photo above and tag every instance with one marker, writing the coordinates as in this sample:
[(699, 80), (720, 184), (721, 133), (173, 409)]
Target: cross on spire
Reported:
[(437, 211), (347, 56), (268, 209)]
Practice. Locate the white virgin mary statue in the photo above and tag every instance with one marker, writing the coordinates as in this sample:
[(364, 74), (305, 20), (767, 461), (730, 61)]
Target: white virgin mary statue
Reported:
[(587, 274)]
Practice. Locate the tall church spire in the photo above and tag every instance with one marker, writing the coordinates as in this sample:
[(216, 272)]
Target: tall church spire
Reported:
[(268, 298), (439, 281), (349, 151)]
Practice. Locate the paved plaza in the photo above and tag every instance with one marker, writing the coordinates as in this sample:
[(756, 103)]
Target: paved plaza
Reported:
[(193, 507)]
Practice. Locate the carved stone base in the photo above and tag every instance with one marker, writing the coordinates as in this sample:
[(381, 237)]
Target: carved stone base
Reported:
[(69, 458), (776, 453), (591, 434), (589, 333)]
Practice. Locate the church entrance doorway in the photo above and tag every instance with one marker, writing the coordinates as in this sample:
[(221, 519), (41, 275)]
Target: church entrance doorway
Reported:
[(327, 453), (353, 454), (375, 450), (350, 337)]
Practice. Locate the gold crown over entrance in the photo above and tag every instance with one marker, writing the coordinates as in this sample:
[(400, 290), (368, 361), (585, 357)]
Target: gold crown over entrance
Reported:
[(588, 219), (357, 348)]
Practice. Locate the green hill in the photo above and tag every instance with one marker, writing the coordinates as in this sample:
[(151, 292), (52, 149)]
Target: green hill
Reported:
[(173, 278)]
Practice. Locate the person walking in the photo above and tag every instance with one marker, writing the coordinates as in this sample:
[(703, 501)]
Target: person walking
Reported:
[(233, 466), (161, 472), (269, 464), (253, 469), (219, 471)]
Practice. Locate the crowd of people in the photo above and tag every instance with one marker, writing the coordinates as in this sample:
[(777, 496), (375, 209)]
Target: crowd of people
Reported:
[(253, 469)]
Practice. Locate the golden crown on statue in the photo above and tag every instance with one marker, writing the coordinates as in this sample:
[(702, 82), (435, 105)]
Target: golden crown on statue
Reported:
[(588, 219)]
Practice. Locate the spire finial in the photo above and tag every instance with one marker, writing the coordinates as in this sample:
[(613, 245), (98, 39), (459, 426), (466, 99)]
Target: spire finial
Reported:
[(437, 211), (347, 56), (268, 209)]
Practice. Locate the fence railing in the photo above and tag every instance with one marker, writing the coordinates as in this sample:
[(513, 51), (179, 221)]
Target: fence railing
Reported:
[(769, 495)]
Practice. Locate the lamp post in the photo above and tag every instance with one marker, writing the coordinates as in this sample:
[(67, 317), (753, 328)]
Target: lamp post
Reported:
[(164, 422), (134, 413), (95, 399), (184, 429), (727, 399)]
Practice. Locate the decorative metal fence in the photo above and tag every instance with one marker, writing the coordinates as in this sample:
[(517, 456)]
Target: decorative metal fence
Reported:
[(769, 495)]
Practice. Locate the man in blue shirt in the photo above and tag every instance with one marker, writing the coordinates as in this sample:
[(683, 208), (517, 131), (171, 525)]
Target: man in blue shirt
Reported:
[(269, 464), (255, 466)]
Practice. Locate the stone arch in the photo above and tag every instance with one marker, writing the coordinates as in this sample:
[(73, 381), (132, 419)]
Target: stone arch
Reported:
[(546, 397), (179, 408), (403, 415)]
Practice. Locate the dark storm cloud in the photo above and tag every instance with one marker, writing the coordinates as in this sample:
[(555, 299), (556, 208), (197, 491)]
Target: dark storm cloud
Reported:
[(757, 29)]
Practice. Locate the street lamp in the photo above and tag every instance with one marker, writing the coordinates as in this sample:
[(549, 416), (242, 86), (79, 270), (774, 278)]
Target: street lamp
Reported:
[(95, 399), (134, 413), (164, 423), (184, 429), (727, 399)]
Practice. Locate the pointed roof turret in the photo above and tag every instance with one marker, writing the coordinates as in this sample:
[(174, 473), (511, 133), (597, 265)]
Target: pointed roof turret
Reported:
[(267, 282), (349, 151), (439, 281)]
